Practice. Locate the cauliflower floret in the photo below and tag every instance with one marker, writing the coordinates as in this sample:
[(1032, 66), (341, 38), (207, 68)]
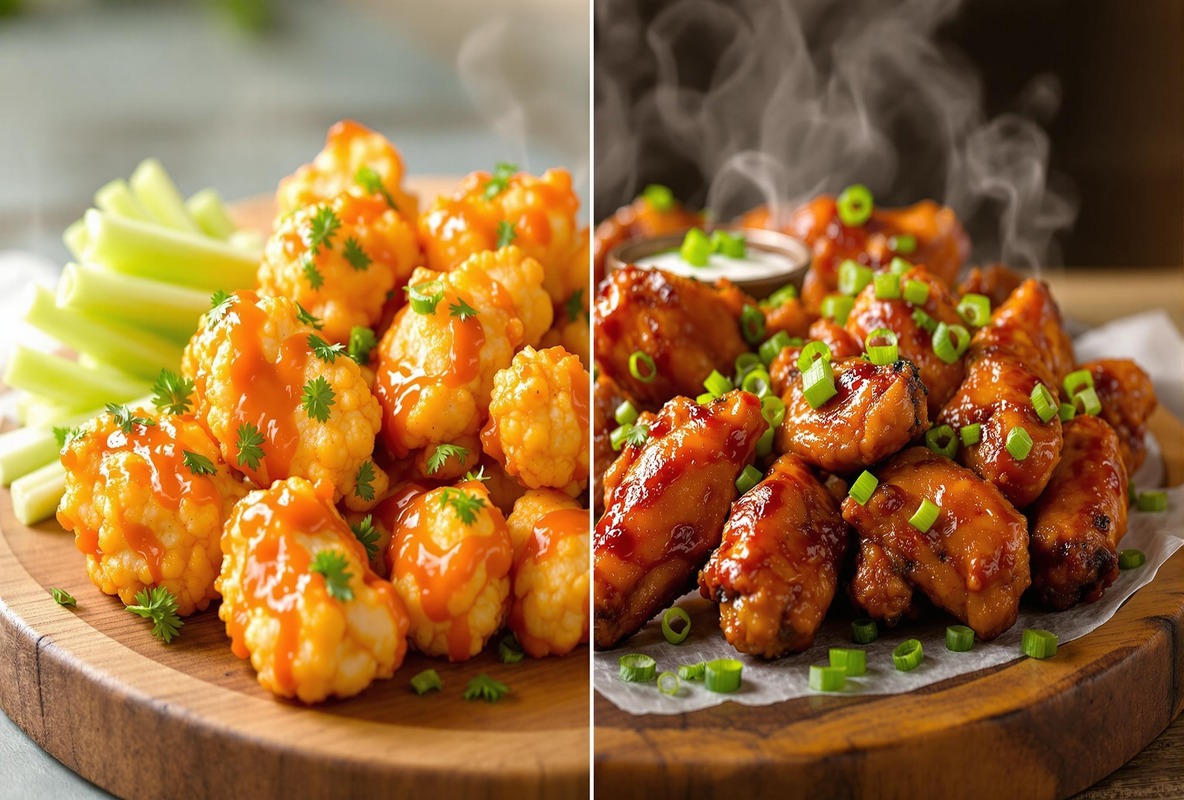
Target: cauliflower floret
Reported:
[(300, 601), (572, 275), (538, 214), (450, 561), (522, 277), (570, 330), (145, 513), (366, 251), (538, 420), (351, 150), (376, 526), (549, 615), (279, 406)]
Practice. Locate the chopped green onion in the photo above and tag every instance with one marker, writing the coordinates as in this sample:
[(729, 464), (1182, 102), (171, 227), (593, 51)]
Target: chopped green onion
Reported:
[(1043, 402), (1152, 501), (945, 349), (642, 367), (626, 413), (749, 478), (636, 668), (619, 435), (764, 445), (426, 296), (852, 661), (757, 382), (854, 205), (971, 434), (692, 672), (427, 681), (924, 321), (1076, 380), (818, 383), (959, 638), (853, 276), (731, 245), (773, 410), (975, 309), (1129, 559), (746, 362), (675, 614), (908, 655), (658, 197), (827, 679), (774, 345), (1019, 443), (942, 441), (898, 266), (925, 515), (811, 351), (887, 286), (668, 683), (903, 243), (723, 674), (1088, 400), (863, 487), (1066, 411), (696, 248), (864, 631), (783, 295), (1039, 644), (705, 398), (885, 353), (837, 307), (752, 324), (916, 292), (718, 384)]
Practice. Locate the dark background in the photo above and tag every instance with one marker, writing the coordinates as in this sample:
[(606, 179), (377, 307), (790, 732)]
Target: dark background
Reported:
[(1118, 136)]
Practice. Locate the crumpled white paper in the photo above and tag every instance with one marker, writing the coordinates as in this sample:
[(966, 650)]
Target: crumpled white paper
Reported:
[(1158, 535)]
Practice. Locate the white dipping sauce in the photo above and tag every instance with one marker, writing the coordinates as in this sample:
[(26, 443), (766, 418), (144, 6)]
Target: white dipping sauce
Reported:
[(756, 264)]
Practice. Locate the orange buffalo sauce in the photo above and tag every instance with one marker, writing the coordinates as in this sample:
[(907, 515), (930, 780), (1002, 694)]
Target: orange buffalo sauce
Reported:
[(550, 529)]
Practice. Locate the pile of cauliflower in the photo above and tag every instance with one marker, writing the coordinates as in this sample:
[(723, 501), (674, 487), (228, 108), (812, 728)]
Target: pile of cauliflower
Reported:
[(384, 445)]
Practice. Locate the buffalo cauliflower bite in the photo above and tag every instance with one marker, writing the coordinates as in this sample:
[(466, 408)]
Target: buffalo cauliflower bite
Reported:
[(538, 420), (353, 156), (570, 329), (142, 515), (280, 401), (572, 276), (450, 562), (522, 278), (299, 600), (340, 260), (549, 615)]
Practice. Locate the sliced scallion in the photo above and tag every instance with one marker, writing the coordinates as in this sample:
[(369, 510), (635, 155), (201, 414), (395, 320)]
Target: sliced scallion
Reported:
[(854, 205), (1153, 501), (925, 515), (946, 349), (887, 286), (975, 309), (642, 367), (1043, 402), (970, 434), (959, 638), (668, 683), (1038, 643), (818, 383), (749, 478), (752, 324), (942, 441), (863, 488), (1087, 400), (881, 354), (1131, 558), (723, 674), (1019, 443), (908, 655), (853, 276), (849, 659), (827, 679), (626, 413), (673, 616), (718, 384), (864, 631), (636, 668)]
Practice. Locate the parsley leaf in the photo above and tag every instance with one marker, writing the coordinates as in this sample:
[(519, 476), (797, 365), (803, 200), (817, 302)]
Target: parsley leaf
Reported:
[(371, 181), (125, 419), (443, 453), (159, 605), (220, 304), (509, 649), (361, 341), (333, 565), (367, 534), (66, 435), (464, 504), (501, 176), (479, 476), (317, 398), (249, 449), (427, 681), (575, 306), (637, 435), (323, 350), (308, 319), (505, 234), (197, 463), (363, 486), (171, 393), (485, 688), (62, 597), (325, 225), (462, 309), (355, 255), (315, 279)]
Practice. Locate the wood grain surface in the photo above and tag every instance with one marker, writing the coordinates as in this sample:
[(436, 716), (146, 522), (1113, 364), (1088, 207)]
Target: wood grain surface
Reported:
[(144, 719), (1030, 728)]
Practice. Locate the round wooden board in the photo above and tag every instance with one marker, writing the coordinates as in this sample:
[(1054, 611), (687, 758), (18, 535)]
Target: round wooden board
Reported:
[(1030, 728), (144, 719)]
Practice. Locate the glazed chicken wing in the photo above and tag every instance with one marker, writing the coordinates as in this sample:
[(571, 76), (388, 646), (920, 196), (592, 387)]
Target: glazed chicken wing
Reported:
[(774, 576), (666, 502), (1080, 517), (688, 328), (973, 560), (1029, 323), (639, 219), (1127, 398), (995, 282)]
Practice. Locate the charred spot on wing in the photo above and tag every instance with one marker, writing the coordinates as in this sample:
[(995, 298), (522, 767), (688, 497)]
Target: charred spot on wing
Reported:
[(1101, 522)]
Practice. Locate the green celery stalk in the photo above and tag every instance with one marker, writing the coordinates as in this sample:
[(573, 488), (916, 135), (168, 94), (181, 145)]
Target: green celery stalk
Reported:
[(117, 198), (34, 411), (26, 449), (35, 497), (66, 381), (76, 238), (159, 195), (169, 310), (208, 210)]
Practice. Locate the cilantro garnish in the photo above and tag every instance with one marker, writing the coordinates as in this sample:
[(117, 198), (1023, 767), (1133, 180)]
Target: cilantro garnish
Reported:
[(462, 309), (505, 234), (66, 435), (323, 350), (464, 504), (355, 255), (125, 419), (220, 304), (509, 649), (315, 279), (575, 306), (637, 435), (501, 176), (62, 597), (361, 341), (197, 463), (333, 566), (159, 605), (317, 397), (323, 228), (308, 319), (367, 534), (363, 482), (443, 453), (171, 392), (249, 445), (371, 181), (485, 688), (479, 476)]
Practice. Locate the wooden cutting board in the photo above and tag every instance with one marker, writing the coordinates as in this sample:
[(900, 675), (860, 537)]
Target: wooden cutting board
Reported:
[(1031, 728), (144, 719)]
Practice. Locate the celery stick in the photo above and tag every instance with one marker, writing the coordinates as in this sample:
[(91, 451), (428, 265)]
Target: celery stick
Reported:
[(172, 311), (34, 411), (67, 381), (249, 241), (114, 344), (76, 238), (35, 496), (149, 251), (208, 210), (158, 194), (117, 198), (26, 449)]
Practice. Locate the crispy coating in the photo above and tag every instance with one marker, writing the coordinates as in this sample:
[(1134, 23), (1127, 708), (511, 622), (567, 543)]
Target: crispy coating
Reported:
[(1029, 324), (876, 411), (549, 615), (688, 328), (142, 517), (303, 641), (250, 366), (973, 561), (573, 334), (638, 220), (607, 396), (521, 276), (572, 275), (791, 317), (346, 282), (349, 147), (1080, 517), (666, 501), (538, 420), (996, 282), (453, 574), (1128, 398), (775, 574)]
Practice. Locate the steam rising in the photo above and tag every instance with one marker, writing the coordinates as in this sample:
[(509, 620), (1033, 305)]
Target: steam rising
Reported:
[(774, 101)]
